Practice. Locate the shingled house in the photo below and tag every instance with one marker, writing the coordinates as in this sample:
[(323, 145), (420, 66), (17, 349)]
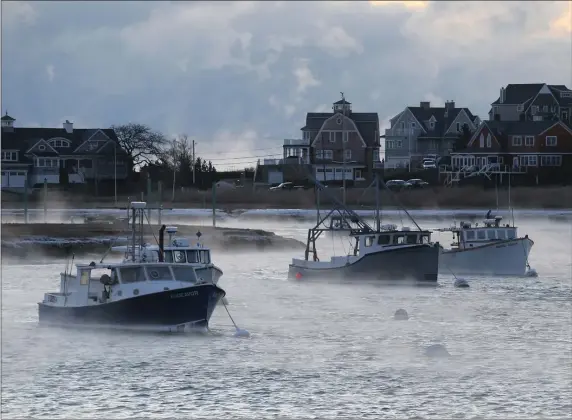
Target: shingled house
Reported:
[(334, 140), (533, 102), (425, 130), (542, 148), (32, 156)]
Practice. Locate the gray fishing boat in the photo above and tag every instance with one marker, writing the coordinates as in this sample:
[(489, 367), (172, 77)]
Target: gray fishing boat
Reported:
[(385, 253)]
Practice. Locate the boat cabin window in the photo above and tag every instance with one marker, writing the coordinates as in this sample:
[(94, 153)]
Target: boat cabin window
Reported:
[(168, 256), (132, 274), (481, 234), (425, 239), (398, 239), (204, 257), (192, 256), (491, 234), (511, 233), (186, 274), (179, 257), (384, 239), (369, 240), (470, 235), (501, 234), (159, 273), (411, 238)]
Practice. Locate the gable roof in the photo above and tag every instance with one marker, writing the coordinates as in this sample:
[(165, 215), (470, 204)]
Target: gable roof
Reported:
[(504, 129), (7, 117), (367, 123), (516, 94), (442, 123), (22, 139)]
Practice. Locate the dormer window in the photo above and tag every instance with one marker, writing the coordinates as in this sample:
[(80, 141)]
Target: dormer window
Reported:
[(566, 94), (58, 143), (431, 125), (458, 127)]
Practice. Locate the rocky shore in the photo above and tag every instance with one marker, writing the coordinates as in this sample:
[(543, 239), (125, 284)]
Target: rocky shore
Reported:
[(19, 239)]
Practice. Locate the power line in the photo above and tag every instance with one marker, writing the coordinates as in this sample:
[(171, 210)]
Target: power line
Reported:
[(253, 150), (244, 157)]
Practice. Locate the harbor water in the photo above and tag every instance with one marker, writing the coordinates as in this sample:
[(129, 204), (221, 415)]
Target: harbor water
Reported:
[(317, 349)]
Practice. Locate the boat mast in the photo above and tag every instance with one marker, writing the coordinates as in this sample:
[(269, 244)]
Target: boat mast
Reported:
[(137, 215), (377, 216)]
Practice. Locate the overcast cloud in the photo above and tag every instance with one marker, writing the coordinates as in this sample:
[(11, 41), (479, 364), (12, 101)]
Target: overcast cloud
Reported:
[(240, 76)]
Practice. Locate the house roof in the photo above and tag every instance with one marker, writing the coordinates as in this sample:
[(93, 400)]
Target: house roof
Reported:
[(22, 139), (7, 117), (442, 123), (367, 123), (342, 102), (516, 94)]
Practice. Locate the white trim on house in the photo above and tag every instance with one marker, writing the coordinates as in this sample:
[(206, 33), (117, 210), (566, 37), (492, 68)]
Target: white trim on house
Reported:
[(551, 145), (61, 139), (555, 124), (37, 143), (477, 132), (414, 117), (538, 93), (106, 143), (337, 115), (90, 137)]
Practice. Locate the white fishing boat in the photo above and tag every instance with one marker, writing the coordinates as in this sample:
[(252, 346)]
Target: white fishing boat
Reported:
[(490, 248), (141, 292), (179, 251)]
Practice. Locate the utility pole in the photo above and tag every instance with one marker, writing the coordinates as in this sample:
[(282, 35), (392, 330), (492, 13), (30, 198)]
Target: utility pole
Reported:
[(193, 163), (343, 147), (115, 171)]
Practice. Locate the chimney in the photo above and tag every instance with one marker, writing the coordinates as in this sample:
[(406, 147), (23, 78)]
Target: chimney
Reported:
[(449, 105), (502, 95), (425, 105), (68, 126)]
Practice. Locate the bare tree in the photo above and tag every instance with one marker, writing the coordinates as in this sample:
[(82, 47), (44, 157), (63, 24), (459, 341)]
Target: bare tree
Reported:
[(140, 142)]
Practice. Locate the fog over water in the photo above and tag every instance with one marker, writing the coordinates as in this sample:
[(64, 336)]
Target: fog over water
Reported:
[(317, 349)]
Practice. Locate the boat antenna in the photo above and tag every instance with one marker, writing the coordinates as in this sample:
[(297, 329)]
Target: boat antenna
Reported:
[(377, 216)]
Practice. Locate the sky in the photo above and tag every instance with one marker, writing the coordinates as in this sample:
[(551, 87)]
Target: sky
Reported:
[(239, 77)]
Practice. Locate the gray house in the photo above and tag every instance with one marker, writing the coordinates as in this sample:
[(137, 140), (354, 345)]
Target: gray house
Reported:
[(533, 102), (425, 130), (32, 156)]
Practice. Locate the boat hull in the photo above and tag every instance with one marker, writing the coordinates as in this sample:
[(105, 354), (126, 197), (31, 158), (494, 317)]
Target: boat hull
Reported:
[(503, 258), (165, 310), (418, 265)]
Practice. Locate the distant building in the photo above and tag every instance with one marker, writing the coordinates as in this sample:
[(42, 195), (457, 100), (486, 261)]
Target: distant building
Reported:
[(533, 102), (425, 130), (32, 156), (334, 140)]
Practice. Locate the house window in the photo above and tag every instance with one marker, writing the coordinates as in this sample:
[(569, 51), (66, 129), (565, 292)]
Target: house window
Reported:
[(403, 125), (345, 136), (566, 94), (347, 154), (482, 140), (520, 108), (489, 142), (529, 141), (59, 143), (306, 135), (534, 109), (545, 108), (9, 156), (564, 115), (458, 127), (332, 136), (328, 154), (431, 125), (358, 174), (551, 140), (376, 155), (413, 125), (551, 160), (528, 160), (41, 147), (516, 140), (46, 163)]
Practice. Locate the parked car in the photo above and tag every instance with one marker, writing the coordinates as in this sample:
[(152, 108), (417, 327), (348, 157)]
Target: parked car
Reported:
[(283, 186), (397, 185), (429, 164), (417, 183)]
